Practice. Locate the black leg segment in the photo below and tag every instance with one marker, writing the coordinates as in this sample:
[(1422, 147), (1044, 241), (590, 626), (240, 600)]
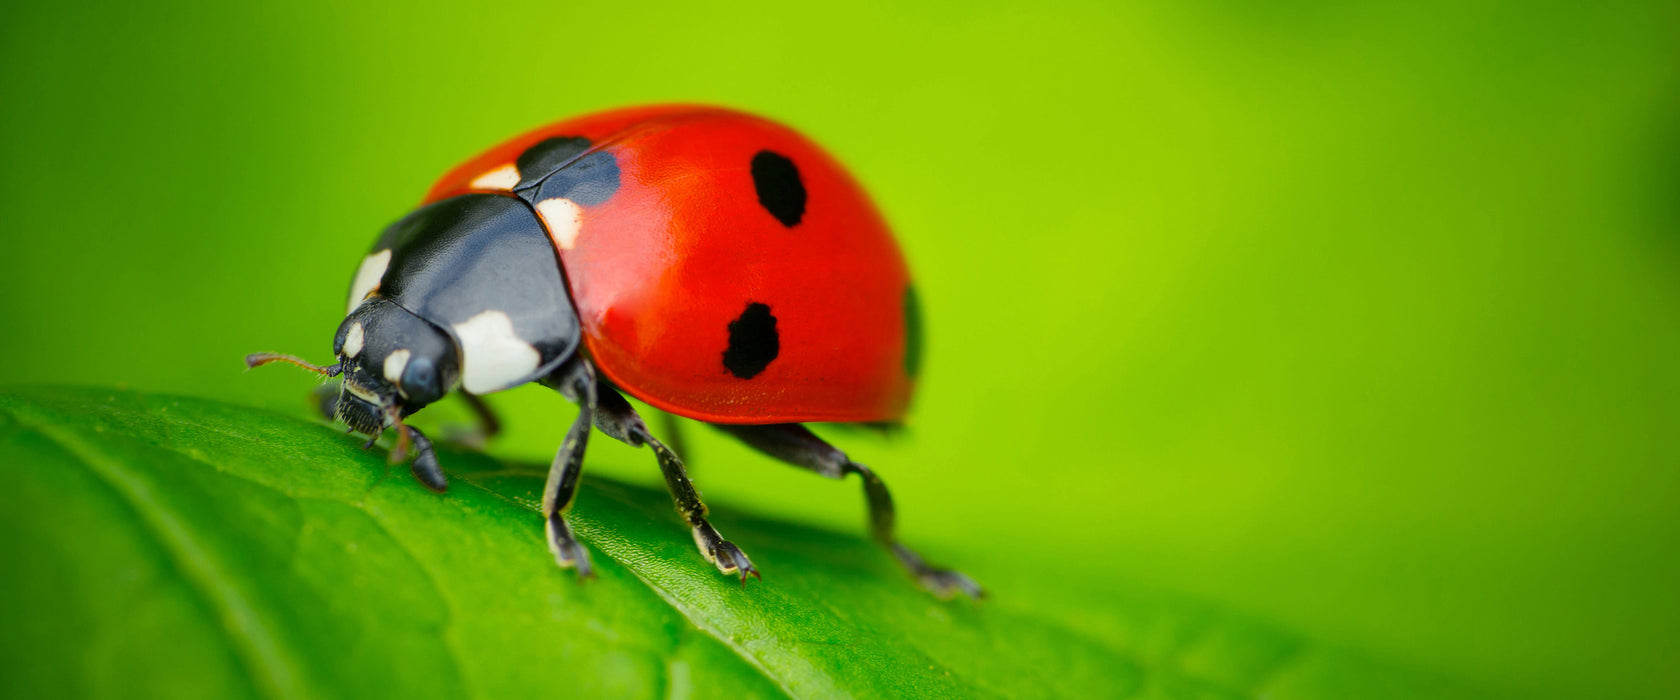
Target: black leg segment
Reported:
[(425, 465), (488, 424), (797, 445), (477, 435), (672, 430), (619, 420), (576, 381)]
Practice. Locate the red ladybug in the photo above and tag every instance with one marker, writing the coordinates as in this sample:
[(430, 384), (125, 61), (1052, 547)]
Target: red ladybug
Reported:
[(713, 264)]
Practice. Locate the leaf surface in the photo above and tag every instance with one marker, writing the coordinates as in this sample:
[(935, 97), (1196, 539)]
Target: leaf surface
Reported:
[(165, 546)]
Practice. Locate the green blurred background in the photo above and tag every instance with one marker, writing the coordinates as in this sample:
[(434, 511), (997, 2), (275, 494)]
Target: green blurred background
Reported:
[(1361, 320)]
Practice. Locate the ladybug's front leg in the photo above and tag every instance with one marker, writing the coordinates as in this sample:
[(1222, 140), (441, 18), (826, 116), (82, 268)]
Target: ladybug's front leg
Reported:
[(575, 381), (618, 419), (425, 465)]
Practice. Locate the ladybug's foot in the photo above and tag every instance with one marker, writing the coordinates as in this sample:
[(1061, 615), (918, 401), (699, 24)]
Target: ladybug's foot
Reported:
[(568, 552), (723, 553), (425, 465), (945, 583)]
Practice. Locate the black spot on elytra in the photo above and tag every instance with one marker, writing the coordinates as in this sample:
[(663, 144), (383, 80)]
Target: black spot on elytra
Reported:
[(779, 188), (563, 166), (753, 342), (912, 333)]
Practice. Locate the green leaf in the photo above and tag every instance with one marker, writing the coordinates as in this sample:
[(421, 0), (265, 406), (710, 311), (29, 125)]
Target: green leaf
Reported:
[(163, 546)]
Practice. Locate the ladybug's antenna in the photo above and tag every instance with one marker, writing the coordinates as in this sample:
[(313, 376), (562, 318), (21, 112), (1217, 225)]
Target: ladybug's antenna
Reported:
[(258, 359)]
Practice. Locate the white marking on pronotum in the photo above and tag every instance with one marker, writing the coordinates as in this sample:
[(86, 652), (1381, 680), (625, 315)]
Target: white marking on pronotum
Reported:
[(394, 364), (492, 354), (353, 340), (503, 178), (564, 218), (367, 278)]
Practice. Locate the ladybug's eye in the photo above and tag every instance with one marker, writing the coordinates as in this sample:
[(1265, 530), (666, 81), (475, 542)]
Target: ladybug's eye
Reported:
[(420, 381)]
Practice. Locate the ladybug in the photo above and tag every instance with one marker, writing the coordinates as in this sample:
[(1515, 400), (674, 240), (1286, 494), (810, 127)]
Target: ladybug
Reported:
[(710, 263)]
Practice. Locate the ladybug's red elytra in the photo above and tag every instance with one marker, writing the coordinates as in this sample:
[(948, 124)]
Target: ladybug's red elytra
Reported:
[(710, 263)]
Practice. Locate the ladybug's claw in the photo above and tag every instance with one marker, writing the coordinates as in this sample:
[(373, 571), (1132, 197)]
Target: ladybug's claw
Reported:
[(728, 558), (945, 583), (568, 552)]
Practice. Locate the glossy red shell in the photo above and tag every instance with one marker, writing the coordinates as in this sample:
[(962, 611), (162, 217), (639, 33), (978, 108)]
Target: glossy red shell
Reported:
[(659, 270)]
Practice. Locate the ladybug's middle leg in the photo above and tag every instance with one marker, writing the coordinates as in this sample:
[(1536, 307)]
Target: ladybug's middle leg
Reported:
[(619, 420), (673, 432), (795, 444), (576, 381)]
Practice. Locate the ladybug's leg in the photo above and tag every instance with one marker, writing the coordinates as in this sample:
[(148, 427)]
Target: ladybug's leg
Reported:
[(488, 425), (425, 465), (575, 381), (672, 430), (797, 445), (619, 420)]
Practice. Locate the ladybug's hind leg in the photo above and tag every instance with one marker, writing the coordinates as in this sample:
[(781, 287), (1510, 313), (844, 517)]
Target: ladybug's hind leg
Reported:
[(795, 444), (618, 419)]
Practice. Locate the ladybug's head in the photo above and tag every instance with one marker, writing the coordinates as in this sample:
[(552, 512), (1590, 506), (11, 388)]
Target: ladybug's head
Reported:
[(394, 363)]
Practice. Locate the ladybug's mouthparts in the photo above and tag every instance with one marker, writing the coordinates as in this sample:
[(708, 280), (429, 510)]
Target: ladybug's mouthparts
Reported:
[(370, 416), (362, 416)]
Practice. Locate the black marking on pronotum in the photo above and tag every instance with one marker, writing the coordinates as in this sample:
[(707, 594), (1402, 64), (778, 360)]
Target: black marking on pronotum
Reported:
[(546, 156), (912, 334), (563, 166), (779, 188), (753, 342)]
